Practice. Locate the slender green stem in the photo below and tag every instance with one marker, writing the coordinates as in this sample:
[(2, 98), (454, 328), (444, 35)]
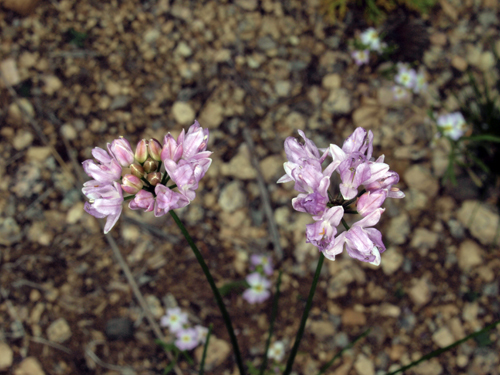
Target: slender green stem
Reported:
[(302, 326), (274, 312), (330, 362), (437, 352), (202, 364), (218, 297), (129, 197), (344, 223), (347, 203)]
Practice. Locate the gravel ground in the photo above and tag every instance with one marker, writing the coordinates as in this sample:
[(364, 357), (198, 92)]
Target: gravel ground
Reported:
[(79, 74)]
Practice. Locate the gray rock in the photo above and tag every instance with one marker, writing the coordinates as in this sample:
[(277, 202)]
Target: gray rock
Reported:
[(232, 197), (6, 356), (119, 329), (480, 220), (491, 289), (487, 18), (266, 43), (399, 228), (119, 102), (59, 331)]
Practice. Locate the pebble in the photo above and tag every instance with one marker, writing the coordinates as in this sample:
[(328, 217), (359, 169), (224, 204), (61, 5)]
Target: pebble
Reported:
[(183, 49), (239, 166), (119, 329), (39, 153), (8, 68), (338, 102), (392, 259), (352, 317), (59, 331), (480, 220), (443, 337), (272, 168), (282, 88), (431, 367), (459, 63), (22, 139), (52, 85), (217, 352), (470, 311), (420, 178), (6, 356), (212, 115), (69, 132), (424, 239), (331, 81), (113, 88), (183, 113), (154, 305), (75, 213), (29, 366), (469, 255), (10, 231), (364, 366), (420, 293), (322, 329), (247, 4), (399, 229), (232, 197)]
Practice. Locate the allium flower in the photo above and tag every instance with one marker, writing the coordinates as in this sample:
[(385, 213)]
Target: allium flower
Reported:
[(452, 125), (276, 351), (399, 92), (261, 260), (106, 201), (371, 39), (406, 77), (258, 291), (174, 320), (357, 169), (361, 57), (187, 339), (186, 161), (202, 333)]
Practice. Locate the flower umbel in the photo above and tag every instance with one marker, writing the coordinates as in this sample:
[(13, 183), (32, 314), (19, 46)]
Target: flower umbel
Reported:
[(186, 161)]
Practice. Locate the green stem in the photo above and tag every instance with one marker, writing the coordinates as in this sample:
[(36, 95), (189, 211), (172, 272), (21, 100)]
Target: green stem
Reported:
[(274, 312), (129, 197), (202, 364), (302, 326), (437, 352), (347, 203), (215, 291)]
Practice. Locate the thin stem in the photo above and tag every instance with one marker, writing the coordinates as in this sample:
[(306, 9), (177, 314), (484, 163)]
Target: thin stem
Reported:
[(274, 312), (344, 223), (202, 364), (215, 291), (437, 352), (347, 203), (302, 326)]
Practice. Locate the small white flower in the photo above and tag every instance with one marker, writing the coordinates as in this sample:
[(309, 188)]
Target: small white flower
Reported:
[(187, 339), (361, 57), (202, 333), (452, 125), (258, 291), (371, 39), (174, 320), (276, 351), (406, 77), (399, 92)]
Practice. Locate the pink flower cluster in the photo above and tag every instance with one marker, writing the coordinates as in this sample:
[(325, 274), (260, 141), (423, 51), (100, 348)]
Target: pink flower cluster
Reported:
[(356, 167), (140, 174), (186, 338)]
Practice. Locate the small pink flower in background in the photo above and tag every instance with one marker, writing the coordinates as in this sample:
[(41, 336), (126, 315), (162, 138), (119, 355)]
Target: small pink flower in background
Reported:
[(202, 333), (262, 260), (187, 339), (406, 77), (258, 291), (175, 319), (361, 57), (400, 92), (276, 351), (452, 125)]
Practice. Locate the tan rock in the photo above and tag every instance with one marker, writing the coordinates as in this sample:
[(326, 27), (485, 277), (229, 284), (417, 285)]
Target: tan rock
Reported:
[(322, 329), (9, 72), (22, 140), (59, 331), (113, 88), (239, 166), (29, 366), (449, 10), (469, 255), (420, 293), (423, 238), (438, 39), (331, 81), (39, 153), (364, 365), (443, 337), (366, 116), (52, 85), (480, 220), (23, 7), (217, 352), (271, 167), (183, 113), (392, 259), (352, 317), (338, 101), (212, 115), (6, 356), (431, 367), (420, 178), (459, 63)]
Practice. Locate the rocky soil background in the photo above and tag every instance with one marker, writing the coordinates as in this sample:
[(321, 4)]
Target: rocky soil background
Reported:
[(79, 74)]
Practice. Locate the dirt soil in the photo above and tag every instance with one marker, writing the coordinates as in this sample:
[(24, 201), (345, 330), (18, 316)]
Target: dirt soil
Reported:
[(79, 74)]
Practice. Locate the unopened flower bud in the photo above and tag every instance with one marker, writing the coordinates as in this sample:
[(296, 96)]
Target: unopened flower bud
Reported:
[(121, 151), (137, 170), (154, 149), (131, 184), (141, 151), (150, 165), (154, 178)]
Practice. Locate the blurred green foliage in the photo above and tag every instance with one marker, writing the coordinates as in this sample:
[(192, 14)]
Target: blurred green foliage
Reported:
[(375, 11)]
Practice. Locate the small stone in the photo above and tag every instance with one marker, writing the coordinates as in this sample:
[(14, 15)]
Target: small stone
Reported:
[(22, 140), (462, 360), (424, 239), (431, 367), (338, 102), (113, 88), (8, 69), (154, 305), (388, 310), (364, 366), (282, 88), (486, 61), (456, 328), (366, 116), (29, 366), (449, 10), (119, 329), (322, 329), (212, 115), (52, 85), (59, 331), (239, 166), (443, 337), (420, 178), (420, 293), (469, 255), (399, 229), (120, 101), (392, 259), (271, 167), (150, 36), (69, 132), (459, 63), (183, 113), (470, 311), (352, 317), (10, 231), (295, 121), (39, 153), (75, 213), (232, 197), (438, 39), (217, 352), (6, 356), (266, 43), (183, 49), (331, 81), (482, 223), (247, 4)]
